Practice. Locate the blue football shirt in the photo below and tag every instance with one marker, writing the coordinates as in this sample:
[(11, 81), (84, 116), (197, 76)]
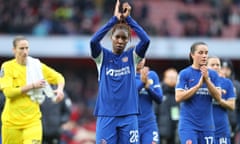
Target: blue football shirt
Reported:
[(196, 112), (220, 114)]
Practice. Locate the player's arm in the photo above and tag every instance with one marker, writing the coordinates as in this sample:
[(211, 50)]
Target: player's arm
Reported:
[(182, 94), (56, 78), (144, 42), (215, 92), (213, 89), (230, 94), (9, 88), (228, 104), (11, 92), (95, 45), (52, 76), (154, 88)]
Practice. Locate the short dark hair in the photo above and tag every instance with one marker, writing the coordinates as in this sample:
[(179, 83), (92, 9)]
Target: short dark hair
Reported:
[(227, 63), (193, 49)]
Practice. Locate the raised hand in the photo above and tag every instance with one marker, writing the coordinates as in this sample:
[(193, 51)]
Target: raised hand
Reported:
[(116, 11), (144, 76), (126, 9)]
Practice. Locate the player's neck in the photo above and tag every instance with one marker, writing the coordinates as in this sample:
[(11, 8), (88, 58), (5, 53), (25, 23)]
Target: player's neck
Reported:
[(195, 66), (21, 61)]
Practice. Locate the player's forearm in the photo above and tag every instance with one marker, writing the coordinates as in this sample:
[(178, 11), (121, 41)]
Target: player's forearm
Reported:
[(227, 104), (215, 92), (181, 95), (142, 46), (104, 29), (12, 92), (138, 29), (156, 94), (98, 36)]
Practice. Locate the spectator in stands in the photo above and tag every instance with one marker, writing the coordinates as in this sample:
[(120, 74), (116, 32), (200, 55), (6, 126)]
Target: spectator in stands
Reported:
[(80, 128), (225, 12), (84, 16), (164, 28), (215, 26), (168, 111)]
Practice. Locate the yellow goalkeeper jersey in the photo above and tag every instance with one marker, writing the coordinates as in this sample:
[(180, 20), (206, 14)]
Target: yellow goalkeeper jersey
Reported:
[(20, 111)]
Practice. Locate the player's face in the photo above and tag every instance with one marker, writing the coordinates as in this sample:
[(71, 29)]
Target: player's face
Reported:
[(119, 40), (200, 55), (214, 63), (21, 51)]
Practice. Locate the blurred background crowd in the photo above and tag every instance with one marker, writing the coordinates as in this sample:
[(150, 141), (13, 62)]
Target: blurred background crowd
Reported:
[(181, 18), (164, 18)]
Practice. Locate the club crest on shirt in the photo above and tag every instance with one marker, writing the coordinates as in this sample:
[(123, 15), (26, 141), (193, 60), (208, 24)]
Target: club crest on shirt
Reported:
[(1, 73), (124, 59), (150, 81)]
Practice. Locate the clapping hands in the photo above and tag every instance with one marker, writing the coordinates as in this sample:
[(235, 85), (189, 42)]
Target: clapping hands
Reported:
[(144, 76), (126, 10)]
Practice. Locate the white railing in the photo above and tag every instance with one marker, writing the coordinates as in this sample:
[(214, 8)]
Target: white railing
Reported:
[(160, 48)]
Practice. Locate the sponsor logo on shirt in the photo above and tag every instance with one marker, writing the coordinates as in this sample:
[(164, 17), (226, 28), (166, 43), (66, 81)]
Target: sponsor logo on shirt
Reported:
[(202, 91), (118, 72)]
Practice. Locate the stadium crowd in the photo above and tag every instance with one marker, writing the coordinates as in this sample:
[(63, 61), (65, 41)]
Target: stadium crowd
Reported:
[(61, 17)]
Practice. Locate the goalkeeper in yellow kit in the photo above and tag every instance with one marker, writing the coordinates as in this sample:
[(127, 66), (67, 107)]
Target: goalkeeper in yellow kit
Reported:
[(21, 117)]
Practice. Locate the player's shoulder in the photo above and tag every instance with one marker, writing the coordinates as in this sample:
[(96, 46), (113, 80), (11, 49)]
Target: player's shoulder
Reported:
[(186, 70), (9, 62), (227, 80), (213, 73), (152, 72)]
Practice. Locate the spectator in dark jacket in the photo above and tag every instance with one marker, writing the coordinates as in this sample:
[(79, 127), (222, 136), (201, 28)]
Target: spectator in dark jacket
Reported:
[(54, 115), (168, 111)]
